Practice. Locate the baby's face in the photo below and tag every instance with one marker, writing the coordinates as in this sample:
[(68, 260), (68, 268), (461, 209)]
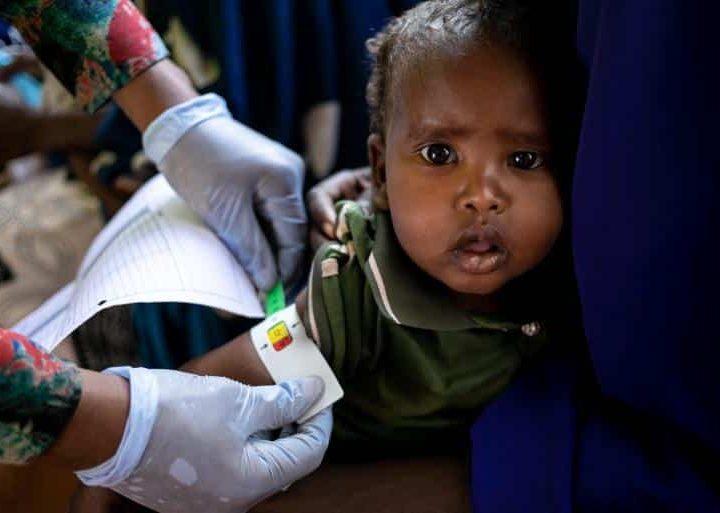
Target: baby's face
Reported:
[(466, 169)]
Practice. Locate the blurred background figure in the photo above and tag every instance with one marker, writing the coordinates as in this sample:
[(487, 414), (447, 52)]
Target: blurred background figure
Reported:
[(41, 130)]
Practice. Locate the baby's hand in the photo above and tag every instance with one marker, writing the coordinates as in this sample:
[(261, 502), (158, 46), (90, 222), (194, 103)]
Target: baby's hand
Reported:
[(349, 184)]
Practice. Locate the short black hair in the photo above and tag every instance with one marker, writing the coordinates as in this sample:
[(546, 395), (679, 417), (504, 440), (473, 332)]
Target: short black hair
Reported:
[(540, 32), (446, 27)]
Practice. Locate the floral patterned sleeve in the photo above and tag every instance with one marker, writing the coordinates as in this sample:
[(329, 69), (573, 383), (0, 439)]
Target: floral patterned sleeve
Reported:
[(93, 48), (38, 396)]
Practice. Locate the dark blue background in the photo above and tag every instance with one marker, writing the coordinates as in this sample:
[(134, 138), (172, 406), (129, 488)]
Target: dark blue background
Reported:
[(646, 436)]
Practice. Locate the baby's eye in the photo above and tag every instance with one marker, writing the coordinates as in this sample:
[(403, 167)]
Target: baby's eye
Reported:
[(525, 160), (438, 154)]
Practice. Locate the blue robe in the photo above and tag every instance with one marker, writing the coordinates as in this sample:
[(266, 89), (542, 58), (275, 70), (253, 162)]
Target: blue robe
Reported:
[(645, 436)]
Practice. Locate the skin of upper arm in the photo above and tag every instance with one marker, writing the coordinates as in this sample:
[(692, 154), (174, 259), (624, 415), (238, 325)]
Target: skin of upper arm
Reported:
[(41, 395), (236, 360), (114, 35)]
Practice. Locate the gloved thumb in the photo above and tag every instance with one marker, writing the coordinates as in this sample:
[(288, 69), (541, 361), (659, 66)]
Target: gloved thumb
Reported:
[(291, 458), (278, 405), (286, 221), (292, 264)]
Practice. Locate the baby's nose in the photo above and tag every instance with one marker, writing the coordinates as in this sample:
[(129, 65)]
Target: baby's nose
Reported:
[(482, 193), (476, 203)]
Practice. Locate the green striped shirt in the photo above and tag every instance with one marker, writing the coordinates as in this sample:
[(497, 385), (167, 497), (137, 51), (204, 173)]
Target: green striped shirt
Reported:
[(413, 366)]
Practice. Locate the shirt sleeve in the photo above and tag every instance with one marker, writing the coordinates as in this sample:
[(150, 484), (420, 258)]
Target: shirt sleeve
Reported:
[(39, 394), (93, 48), (341, 313)]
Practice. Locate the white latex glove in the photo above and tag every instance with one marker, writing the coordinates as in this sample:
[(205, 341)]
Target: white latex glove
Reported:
[(188, 444), (231, 176)]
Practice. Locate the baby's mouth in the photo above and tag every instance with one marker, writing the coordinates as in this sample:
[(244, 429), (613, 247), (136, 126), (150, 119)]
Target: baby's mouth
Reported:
[(480, 251)]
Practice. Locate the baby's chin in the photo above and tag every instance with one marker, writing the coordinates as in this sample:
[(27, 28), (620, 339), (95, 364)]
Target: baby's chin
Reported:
[(476, 285)]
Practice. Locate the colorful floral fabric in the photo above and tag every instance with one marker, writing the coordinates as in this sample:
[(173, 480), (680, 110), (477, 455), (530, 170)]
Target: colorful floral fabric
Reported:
[(38, 396), (93, 48)]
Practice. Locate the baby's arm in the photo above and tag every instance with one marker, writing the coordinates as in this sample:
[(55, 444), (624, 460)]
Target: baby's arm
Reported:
[(238, 359), (337, 311)]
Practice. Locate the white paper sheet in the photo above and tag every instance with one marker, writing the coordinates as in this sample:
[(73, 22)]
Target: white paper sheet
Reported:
[(154, 250)]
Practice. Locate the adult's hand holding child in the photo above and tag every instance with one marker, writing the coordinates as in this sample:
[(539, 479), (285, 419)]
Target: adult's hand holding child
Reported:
[(348, 184)]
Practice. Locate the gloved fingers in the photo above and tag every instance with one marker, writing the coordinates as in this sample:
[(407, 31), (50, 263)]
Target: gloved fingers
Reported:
[(279, 203), (293, 457), (285, 217), (278, 405), (319, 424), (273, 434), (292, 266), (238, 227), (287, 430), (254, 254)]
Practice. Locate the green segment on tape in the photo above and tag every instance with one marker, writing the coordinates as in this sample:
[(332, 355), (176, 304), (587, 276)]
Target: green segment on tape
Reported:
[(275, 300)]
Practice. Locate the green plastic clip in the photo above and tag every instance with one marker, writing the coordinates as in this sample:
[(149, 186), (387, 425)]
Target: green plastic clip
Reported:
[(275, 299)]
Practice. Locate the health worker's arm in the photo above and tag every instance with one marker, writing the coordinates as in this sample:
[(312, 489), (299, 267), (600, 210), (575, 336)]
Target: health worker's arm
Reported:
[(50, 407), (94, 49), (102, 50)]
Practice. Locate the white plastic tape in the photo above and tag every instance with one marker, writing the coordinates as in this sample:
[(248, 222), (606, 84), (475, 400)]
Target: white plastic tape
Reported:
[(288, 353)]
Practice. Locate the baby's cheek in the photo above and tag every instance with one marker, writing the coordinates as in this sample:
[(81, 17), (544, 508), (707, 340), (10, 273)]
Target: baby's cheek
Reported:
[(409, 233), (418, 235), (542, 229)]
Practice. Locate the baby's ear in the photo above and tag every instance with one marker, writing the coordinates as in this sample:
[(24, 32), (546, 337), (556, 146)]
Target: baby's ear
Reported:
[(376, 156)]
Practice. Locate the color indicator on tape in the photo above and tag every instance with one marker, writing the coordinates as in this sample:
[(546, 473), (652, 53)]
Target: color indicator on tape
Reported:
[(279, 336)]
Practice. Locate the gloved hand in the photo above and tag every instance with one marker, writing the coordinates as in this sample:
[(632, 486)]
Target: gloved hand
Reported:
[(188, 443), (230, 175)]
